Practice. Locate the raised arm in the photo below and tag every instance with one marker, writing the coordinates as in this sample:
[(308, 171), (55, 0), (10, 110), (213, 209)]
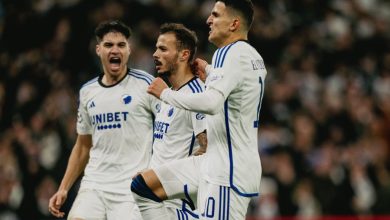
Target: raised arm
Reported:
[(208, 102), (77, 161)]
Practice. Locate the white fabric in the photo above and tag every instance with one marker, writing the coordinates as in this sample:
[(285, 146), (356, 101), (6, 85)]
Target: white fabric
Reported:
[(232, 157), (220, 202), (208, 102), (99, 205), (120, 120), (175, 129), (176, 177)]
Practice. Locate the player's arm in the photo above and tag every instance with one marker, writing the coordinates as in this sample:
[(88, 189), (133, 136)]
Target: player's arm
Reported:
[(208, 102), (77, 161), (202, 140)]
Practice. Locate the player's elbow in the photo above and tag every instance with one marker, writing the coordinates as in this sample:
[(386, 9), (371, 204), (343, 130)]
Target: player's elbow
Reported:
[(213, 109)]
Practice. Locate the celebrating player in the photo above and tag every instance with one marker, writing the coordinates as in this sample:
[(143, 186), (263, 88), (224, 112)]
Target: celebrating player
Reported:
[(175, 128), (115, 128), (231, 169)]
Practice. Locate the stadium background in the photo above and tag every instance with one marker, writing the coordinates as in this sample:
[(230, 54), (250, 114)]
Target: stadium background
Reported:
[(325, 119)]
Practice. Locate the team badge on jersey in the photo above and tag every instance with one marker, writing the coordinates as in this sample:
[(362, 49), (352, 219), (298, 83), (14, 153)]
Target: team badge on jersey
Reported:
[(200, 116), (170, 112), (158, 108), (126, 99)]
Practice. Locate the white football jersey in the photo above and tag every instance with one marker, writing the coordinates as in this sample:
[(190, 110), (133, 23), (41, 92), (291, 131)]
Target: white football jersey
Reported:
[(120, 120), (232, 158), (175, 129)]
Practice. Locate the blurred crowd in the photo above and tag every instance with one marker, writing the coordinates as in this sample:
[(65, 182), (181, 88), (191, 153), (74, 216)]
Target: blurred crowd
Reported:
[(324, 137)]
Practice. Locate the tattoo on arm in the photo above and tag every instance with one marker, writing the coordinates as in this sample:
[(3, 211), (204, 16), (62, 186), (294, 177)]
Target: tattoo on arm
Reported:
[(202, 140)]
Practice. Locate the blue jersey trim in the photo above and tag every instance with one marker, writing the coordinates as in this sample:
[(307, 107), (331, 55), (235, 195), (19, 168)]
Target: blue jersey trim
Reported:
[(216, 58), (192, 88), (228, 205), (220, 202), (192, 144), (140, 77), (221, 55), (189, 202), (257, 122), (229, 142), (199, 86), (142, 73)]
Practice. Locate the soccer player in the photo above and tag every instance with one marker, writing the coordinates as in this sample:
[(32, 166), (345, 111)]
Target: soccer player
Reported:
[(178, 133), (230, 171), (115, 133)]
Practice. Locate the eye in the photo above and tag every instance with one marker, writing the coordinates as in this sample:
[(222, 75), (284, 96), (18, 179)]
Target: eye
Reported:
[(122, 45), (107, 44)]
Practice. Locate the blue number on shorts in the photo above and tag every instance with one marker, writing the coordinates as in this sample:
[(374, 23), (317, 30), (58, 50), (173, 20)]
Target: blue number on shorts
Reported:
[(256, 123), (209, 208)]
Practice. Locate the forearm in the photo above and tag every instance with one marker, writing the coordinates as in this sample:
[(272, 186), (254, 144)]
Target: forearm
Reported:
[(208, 102), (76, 165), (202, 140)]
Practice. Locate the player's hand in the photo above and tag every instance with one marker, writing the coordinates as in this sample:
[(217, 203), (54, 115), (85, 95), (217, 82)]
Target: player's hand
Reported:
[(156, 87), (199, 68), (200, 151), (55, 203)]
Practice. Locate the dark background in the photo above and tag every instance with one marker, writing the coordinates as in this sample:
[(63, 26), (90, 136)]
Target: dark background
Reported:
[(325, 119)]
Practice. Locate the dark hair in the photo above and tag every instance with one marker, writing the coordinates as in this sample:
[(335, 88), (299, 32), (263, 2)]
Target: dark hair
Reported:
[(111, 26), (244, 7), (186, 38)]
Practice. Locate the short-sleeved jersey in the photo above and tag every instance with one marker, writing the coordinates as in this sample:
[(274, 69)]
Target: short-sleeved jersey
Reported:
[(238, 72), (120, 120), (175, 129)]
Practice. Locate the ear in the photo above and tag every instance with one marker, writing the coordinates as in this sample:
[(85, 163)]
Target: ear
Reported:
[(184, 55), (98, 49), (235, 25)]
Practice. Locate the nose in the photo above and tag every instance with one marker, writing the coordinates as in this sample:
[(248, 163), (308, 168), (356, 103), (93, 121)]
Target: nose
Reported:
[(155, 55), (209, 20), (115, 49)]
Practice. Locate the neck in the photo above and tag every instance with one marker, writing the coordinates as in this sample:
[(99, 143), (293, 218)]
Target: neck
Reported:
[(113, 78), (180, 77), (233, 38)]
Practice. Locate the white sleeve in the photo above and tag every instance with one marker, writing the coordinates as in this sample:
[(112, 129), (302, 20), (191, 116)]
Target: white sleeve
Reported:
[(208, 102), (83, 122)]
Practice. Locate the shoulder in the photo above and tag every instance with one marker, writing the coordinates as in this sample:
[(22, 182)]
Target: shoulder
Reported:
[(90, 83), (229, 52), (195, 85), (141, 75)]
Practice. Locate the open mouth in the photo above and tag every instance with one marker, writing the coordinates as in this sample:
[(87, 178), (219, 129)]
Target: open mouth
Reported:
[(158, 64), (115, 60), (115, 63)]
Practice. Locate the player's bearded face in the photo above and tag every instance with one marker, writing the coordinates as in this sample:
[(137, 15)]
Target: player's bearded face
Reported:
[(114, 52), (166, 54)]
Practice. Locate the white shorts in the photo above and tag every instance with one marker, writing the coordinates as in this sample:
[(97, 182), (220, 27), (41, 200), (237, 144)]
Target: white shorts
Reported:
[(180, 180), (99, 205), (221, 202)]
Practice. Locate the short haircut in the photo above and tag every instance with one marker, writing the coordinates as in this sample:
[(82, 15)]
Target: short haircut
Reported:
[(186, 38), (111, 26), (244, 7)]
